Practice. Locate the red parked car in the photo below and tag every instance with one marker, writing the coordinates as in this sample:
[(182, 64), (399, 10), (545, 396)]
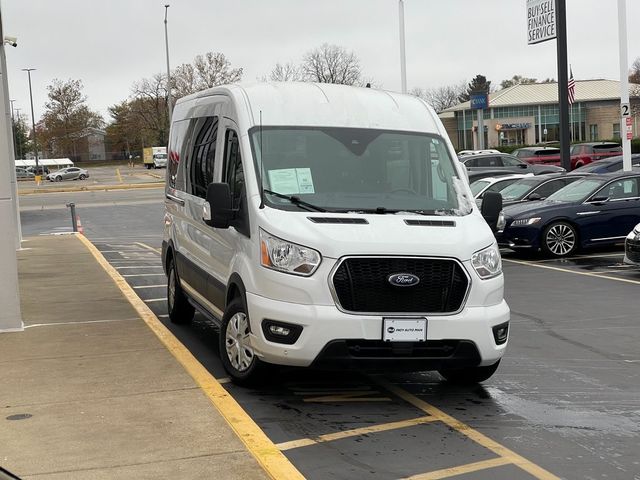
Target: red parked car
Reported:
[(585, 153), (537, 155)]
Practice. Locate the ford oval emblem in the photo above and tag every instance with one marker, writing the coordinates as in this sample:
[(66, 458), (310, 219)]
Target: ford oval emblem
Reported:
[(403, 280)]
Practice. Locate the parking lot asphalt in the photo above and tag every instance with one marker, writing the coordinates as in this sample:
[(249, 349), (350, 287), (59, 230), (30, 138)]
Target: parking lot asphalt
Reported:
[(564, 403)]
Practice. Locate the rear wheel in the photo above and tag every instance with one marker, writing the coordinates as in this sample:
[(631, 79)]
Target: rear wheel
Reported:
[(236, 352), (82, 176), (469, 376), (560, 239), (58, 178), (180, 310)]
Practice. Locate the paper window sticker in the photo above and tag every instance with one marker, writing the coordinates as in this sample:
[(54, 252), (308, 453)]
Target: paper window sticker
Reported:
[(284, 181), (305, 180)]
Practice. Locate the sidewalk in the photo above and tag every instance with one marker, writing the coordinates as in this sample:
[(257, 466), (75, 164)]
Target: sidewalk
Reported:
[(88, 390)]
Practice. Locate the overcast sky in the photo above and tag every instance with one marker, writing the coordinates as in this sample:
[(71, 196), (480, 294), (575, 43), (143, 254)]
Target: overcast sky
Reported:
[(109, 44)]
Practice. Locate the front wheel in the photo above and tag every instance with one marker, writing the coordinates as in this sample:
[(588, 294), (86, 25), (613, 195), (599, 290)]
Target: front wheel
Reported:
[(58, 179), (469, 376), (82, 176), (236, 353), (180, 310), (560, 239)]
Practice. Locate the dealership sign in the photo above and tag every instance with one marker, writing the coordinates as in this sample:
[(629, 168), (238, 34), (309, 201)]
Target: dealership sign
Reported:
[(513, 126), (479, 101), (541, 21)]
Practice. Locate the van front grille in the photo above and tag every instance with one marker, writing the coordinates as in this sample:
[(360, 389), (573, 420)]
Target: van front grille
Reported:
[(362, 285)]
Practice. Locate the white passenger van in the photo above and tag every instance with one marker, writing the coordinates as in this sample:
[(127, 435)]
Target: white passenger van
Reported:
[(330, 226)]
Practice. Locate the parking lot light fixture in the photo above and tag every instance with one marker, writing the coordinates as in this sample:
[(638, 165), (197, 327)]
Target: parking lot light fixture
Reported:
[(33, 124)]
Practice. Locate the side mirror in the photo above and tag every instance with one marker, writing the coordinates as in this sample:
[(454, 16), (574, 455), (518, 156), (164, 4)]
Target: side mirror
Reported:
[(523, 165), (534, 196), (491, 208), (600, 200), (218, 206)]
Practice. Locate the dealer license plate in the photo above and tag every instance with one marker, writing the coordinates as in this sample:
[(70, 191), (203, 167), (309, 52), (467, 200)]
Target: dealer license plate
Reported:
[(404, 329)]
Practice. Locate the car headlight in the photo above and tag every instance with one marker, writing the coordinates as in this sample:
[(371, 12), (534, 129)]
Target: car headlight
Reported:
[(487, 262), (502, 221), (525, 221), (636, 229), (287, 257)]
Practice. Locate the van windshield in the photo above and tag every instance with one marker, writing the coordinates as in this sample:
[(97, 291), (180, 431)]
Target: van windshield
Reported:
[(357, 170)]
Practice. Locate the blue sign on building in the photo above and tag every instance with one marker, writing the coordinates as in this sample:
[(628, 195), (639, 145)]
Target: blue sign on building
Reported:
[(479, 101)]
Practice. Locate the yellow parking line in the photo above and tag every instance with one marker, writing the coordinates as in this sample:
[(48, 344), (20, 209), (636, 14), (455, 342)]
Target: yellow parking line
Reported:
[(270, 458), (355, 432), (462, 469), (466, 430), (566, 270), (119, 176)]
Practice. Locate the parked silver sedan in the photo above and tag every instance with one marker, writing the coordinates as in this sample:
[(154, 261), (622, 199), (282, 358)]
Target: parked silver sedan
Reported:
[(69, 173)]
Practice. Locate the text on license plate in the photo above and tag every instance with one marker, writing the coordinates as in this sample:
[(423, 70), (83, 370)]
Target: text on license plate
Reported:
[(404, 329)]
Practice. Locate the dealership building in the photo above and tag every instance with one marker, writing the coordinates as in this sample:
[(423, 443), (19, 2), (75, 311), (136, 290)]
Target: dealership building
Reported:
[(529, 114)]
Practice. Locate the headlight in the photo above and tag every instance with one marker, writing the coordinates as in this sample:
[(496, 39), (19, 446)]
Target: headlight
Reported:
[(636, 229), (502, 221), (487, 262), (287, 257), (525, 221)]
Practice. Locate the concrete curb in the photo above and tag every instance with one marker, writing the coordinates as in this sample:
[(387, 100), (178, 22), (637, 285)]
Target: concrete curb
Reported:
[(91, 188)]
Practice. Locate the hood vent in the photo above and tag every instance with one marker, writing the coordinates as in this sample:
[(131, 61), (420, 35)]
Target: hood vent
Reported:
[(341, 220), (431, 223)]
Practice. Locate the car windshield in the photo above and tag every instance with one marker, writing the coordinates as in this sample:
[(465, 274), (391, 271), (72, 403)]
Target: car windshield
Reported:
[(518, 190), (576, 191), (478, 186), (357, 170)]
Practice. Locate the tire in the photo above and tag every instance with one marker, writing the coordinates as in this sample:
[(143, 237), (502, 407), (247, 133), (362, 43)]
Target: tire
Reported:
[(559, 239), (469, 376), (82, 176), (58, 179), (236, 354), (180, 310)]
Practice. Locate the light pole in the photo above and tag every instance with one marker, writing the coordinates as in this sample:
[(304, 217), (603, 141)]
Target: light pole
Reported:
[(625, 108), (33, 122), (13, 128), (18, 148), (166, 42), (403, 59)]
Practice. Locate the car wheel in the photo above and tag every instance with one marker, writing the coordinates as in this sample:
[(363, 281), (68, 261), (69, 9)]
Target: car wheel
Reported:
[(236, 353), (58, 178), (82, 176), (560, 239), (469, 376), (180, 310)]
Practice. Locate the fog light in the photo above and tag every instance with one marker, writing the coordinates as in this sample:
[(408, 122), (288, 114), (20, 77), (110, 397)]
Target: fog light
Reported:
[(501, 333), (281, 332), (278, 330)]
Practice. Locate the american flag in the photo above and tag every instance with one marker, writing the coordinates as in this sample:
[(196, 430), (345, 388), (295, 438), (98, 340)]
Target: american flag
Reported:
[(571, 86)]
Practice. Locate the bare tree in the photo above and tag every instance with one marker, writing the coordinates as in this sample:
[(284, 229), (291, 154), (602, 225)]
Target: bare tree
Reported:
[(331, 64), (285, 73), (517, 80), (206, 71), (148, 104), (441, 98), (634, 74)]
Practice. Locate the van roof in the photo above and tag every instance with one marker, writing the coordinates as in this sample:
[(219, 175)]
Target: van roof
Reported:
[(324, 104)]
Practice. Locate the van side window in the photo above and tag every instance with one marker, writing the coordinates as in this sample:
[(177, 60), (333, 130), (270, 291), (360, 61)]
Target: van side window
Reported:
[(204, 152), (233, 172), (176, 153)]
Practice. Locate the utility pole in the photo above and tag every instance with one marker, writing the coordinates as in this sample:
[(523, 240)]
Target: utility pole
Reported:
[(18, 147), (33, 123), (626, 128), (563, 83), (10, 315), (166, 41), (403, 58)]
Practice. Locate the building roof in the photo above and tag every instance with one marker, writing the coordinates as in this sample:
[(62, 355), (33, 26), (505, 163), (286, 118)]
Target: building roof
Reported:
[(547, 93)]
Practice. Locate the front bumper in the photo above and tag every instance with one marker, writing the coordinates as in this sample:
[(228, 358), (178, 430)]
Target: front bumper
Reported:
[(327, 332), (516, 238), (632, 250)]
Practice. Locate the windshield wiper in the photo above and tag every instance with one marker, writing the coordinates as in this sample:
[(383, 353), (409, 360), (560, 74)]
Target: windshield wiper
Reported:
[(296, 201)]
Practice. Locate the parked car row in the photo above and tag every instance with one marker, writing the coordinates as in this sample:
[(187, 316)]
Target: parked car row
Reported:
[(581, 154)]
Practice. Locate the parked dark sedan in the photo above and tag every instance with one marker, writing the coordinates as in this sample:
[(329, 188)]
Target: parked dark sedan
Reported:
[(538, 187), (595, 210), (606, 165), (503, 161)]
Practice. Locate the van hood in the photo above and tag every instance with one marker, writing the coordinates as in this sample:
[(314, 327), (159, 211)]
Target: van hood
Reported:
[(385, 234)]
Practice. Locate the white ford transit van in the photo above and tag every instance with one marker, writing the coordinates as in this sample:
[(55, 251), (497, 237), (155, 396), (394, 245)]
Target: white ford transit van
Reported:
[(330, 226)]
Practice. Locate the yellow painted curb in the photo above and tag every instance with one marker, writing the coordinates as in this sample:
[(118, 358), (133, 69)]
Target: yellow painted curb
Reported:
[(91, 188), (270, 458)]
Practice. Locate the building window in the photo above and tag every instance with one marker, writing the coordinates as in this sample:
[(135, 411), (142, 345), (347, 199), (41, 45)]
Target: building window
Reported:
[(616, 130), (593, 133)]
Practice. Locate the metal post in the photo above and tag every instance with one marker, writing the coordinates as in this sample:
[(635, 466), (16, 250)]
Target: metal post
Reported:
[(563, 80), (10, 314), (624, 84), (480, 129), (464, 130), (18, 148), (166, 41), (74, 219), (403, 59), (33, 122)]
